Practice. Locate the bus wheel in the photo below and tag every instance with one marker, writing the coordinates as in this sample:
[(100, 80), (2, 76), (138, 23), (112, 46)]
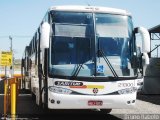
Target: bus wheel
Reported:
[(105, 111), (33, 96), (45, 107)]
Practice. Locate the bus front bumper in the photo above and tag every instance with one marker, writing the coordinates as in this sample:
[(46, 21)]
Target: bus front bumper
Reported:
[(63, 101)]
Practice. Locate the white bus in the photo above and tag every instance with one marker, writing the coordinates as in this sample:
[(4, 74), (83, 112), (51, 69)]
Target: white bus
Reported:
[(85, 57)]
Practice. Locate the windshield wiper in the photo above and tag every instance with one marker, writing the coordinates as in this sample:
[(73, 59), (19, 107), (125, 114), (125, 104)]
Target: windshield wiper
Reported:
[(108, 63), (77, 71)]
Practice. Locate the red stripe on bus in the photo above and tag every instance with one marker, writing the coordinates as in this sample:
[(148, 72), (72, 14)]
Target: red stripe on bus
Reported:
[(84, 86)]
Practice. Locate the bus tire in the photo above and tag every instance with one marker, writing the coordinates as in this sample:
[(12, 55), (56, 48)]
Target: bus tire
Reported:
[(33, 96), (105, 111), (45, 108)]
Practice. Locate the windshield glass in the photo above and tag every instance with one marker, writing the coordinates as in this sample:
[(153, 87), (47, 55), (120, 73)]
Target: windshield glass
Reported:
[(69, 50), (77, 38), (71, 43), (114, 36)]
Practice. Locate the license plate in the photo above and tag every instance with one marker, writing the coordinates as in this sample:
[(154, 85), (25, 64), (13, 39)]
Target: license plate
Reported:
[(95, 103)]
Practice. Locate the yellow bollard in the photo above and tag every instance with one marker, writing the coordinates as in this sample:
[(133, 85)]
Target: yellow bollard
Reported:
[(13, 99)]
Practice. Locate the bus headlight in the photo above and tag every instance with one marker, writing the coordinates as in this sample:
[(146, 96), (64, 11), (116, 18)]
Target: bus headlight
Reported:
[(59, 90), (128, 90)]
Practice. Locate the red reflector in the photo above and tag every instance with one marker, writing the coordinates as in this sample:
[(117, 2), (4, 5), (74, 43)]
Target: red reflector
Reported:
[(95, 103)]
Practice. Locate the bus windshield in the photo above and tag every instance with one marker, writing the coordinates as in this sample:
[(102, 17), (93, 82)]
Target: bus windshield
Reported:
[(77, 38)]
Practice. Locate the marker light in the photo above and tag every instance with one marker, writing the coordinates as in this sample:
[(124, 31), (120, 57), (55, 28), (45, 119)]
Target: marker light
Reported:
[(59, 90)]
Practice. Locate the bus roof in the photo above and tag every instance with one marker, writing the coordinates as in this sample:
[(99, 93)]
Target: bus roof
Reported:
[(94, 9)]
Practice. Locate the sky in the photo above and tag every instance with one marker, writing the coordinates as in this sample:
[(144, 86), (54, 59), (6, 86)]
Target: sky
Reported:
[(21, 18)]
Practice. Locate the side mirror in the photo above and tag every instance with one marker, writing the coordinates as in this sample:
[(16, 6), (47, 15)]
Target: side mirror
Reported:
[(145, 38), (45, 33), (145, 42)]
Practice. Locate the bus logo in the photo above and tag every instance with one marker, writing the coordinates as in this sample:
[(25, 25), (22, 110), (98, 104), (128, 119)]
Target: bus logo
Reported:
[(66, 83), (95, 90)]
